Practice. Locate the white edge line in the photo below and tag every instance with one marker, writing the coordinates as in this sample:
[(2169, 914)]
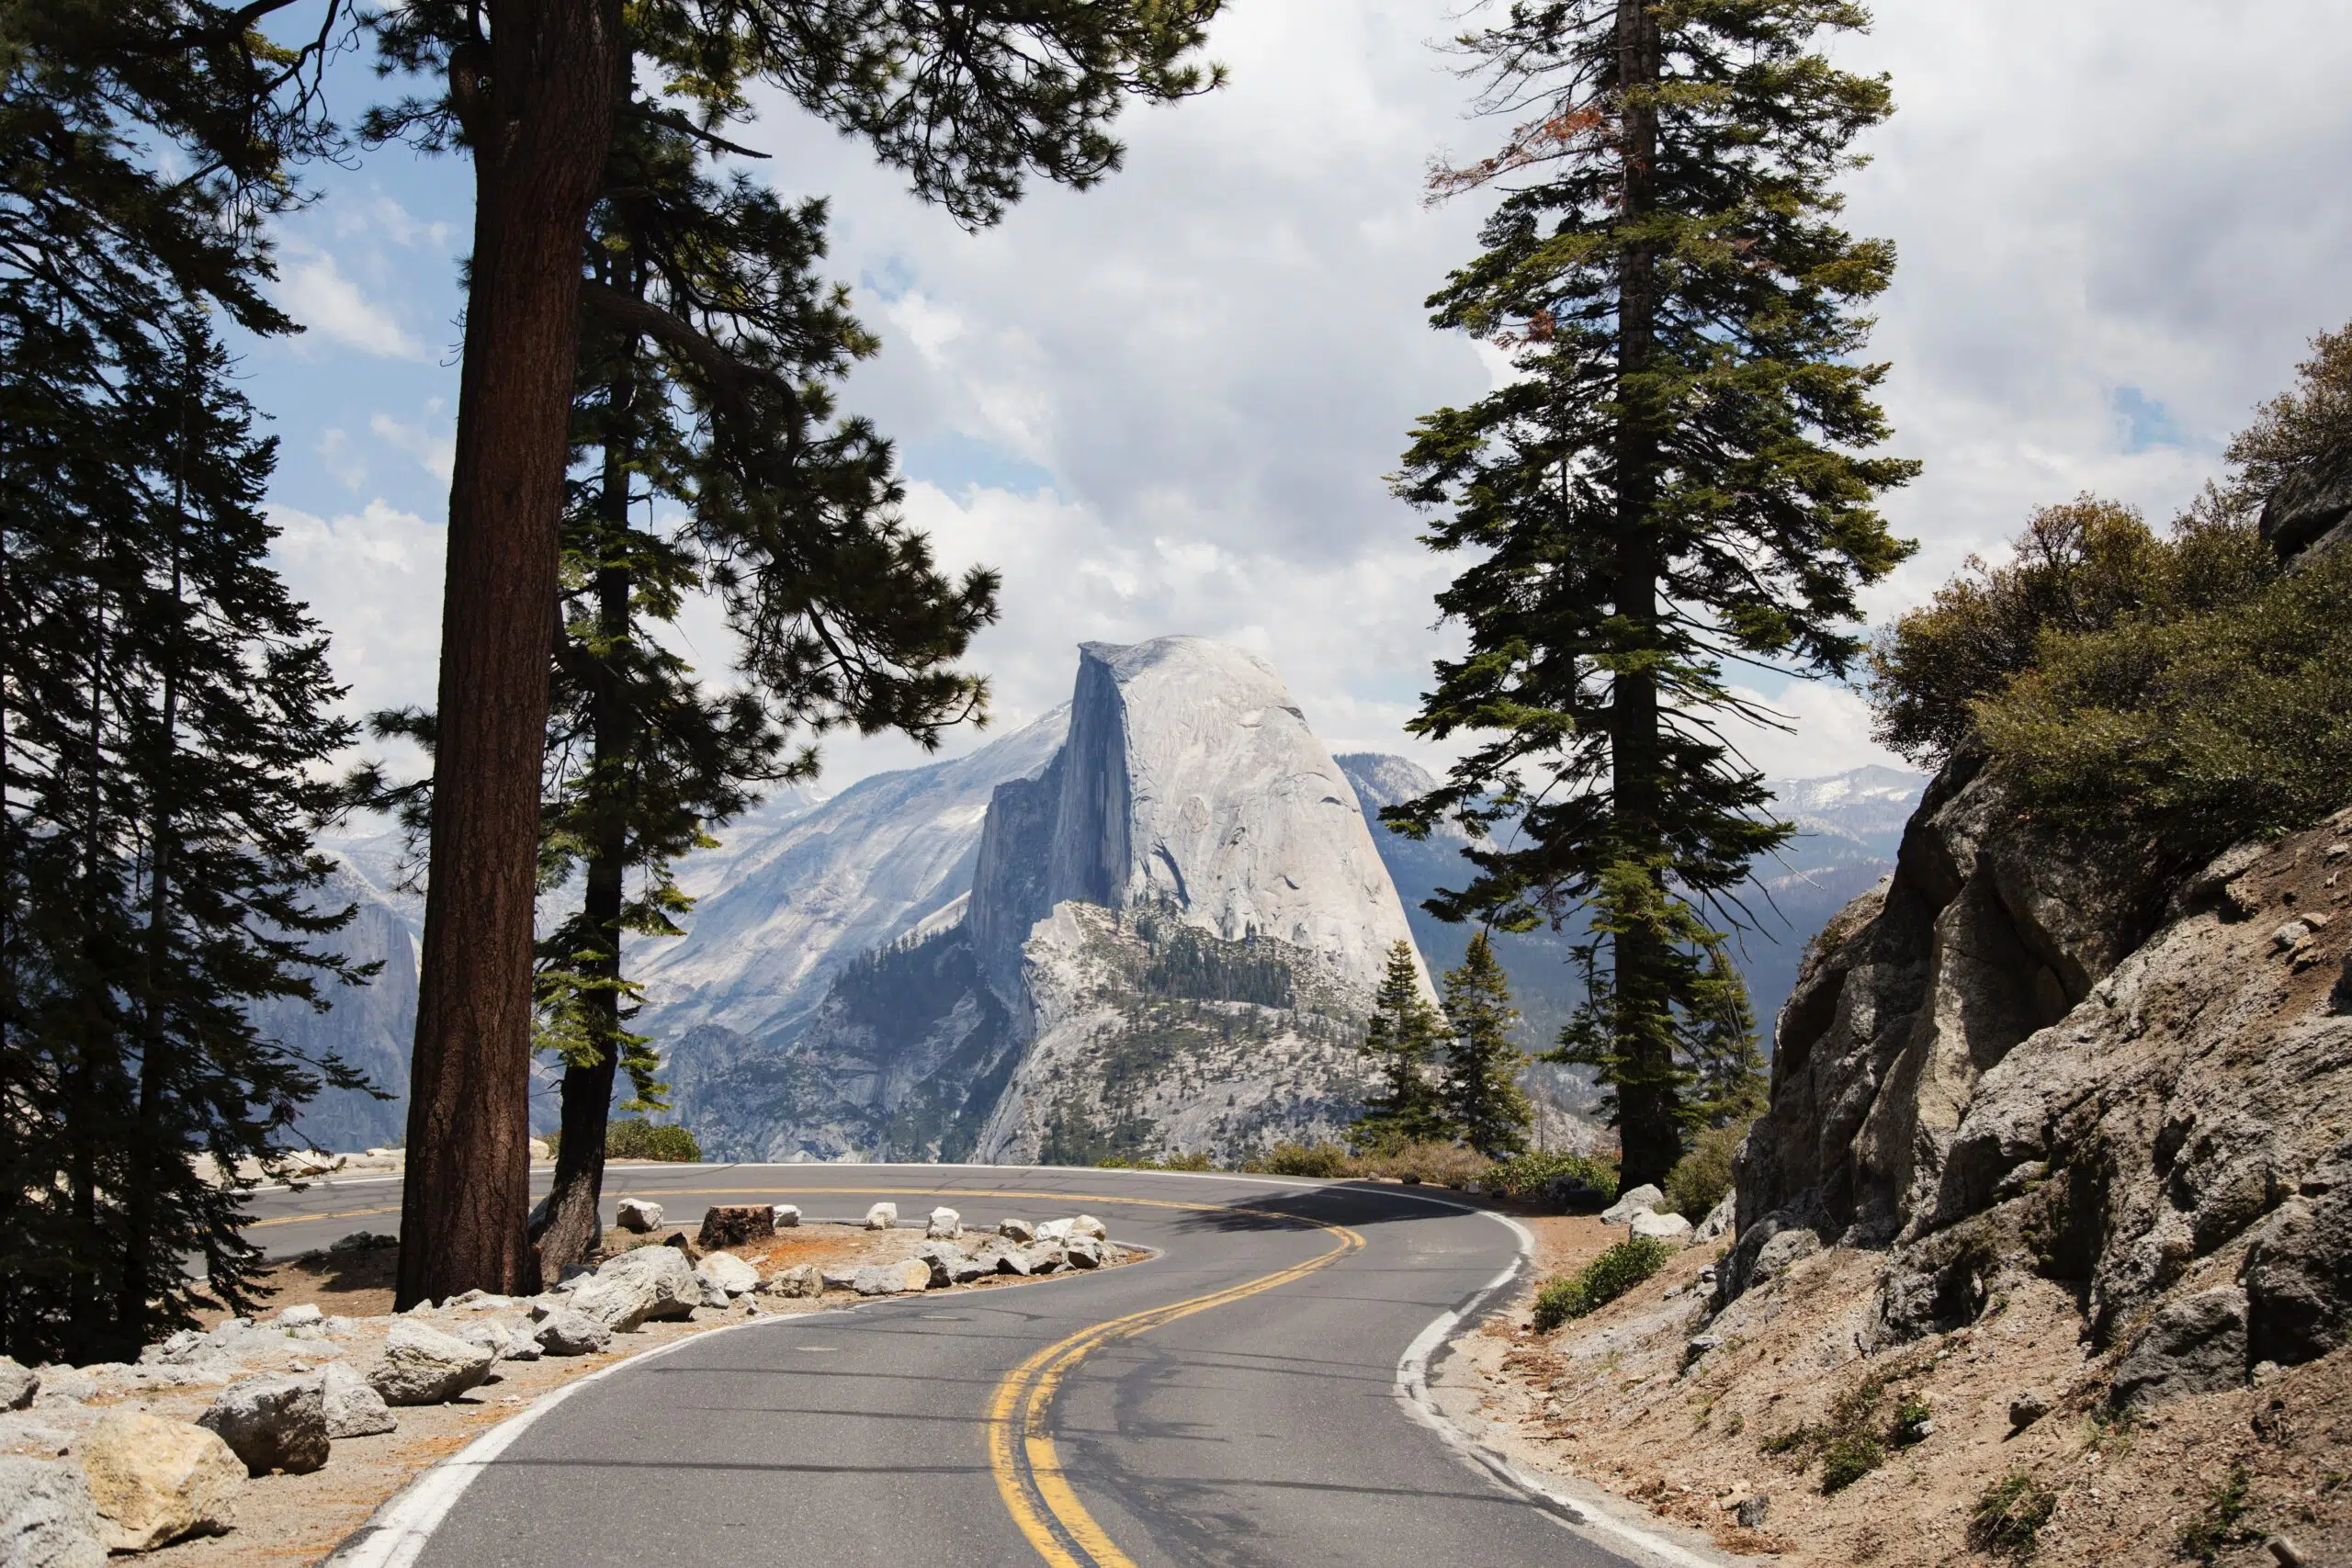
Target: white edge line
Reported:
[(397, 1532), (1411, 1389)]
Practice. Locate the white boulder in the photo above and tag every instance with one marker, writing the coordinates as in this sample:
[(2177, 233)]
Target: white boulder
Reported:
[(1088, 1226), (728, 1274), (892, 1278), (566, 1333), (946, 1225), (1662, 1224), (154, 1481), (786, 1215), (639, 1214), (46, 1517), (272, 1423), (1642, 1199), (1054, 1230), (424, 1366), (882, 1217), (1016, 1230), (354, 1408), (644, 1285)]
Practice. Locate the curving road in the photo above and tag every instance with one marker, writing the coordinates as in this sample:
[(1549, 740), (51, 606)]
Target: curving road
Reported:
[(1237, 1400)]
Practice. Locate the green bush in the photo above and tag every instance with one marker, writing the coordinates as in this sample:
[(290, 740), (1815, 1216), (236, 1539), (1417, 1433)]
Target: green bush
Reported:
[(1600, 1281), (2218, 1527), (635, 1138), (1529, 1175), (2008, 1518), (1324, 1159), (1702, 1177), (1197, 1160), (1847, 1459)]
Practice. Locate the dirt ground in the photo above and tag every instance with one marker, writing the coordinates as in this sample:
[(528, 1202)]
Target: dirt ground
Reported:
[(298, 1519), (1608, 1400)]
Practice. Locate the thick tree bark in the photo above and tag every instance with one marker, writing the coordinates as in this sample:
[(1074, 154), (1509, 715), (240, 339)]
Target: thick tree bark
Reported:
[(1647, 1130), (539, 126), (574, 1223)]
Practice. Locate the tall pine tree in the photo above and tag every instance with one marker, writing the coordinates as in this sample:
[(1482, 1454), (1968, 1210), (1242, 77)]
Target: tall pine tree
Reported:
[(1676, 477), (1403, 1038), (1481, 1094), (163, 704), (969, 102)]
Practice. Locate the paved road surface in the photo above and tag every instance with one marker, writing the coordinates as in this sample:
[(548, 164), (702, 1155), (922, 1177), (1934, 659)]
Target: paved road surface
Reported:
[(1230, 1402)]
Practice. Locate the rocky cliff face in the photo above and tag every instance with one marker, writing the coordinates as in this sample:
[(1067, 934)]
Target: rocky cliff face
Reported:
[(371, 1027), (1168, 884), (2015, 1055)]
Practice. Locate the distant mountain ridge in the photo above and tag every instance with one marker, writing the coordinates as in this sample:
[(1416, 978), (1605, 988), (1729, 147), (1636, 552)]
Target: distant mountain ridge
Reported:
[(855, 977)]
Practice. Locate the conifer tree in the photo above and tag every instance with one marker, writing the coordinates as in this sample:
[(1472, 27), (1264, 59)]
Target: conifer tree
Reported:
[(969, 101), (1676, 476), (167, 712), (1728, 1081), (163, 705), (1481, 1094), (1404, 1038)]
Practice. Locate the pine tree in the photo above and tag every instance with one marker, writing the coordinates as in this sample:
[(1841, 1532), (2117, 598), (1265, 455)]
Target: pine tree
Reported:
[(168, 712), (1404, 1038), (1675, 478), (163, 705), (1481, 1094), (969, 102), (1728, 1082)]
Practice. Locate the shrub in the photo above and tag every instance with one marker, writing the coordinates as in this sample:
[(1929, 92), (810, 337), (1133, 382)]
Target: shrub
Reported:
[(1532, 1175), (1324, 1159), (1600, 1281), (1446, 1165), (1700, 1177), (1197, 1160), (2218, 1527), (1848, 1458), (2008, 1518), (635, 1138)]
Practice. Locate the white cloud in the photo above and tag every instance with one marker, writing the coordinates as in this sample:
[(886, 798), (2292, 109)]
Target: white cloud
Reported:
[(315, 292), (431, 440), (374, 578)]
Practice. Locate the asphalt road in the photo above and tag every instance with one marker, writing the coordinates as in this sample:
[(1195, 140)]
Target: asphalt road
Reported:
[(1232, 1401)]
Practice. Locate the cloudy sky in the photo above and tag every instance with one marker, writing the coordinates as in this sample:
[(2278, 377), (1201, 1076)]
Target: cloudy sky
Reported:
[(1167, 404)]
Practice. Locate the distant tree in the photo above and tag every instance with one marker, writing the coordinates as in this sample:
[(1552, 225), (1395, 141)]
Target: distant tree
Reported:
[(1405, 1038), (970, 101), (1481, 1092), (1672, 478), (1728, 1079)]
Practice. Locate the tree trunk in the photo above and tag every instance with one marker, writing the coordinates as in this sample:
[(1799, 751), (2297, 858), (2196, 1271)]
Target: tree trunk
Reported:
[(1645, 1123), (540, 127), (574, 1223)]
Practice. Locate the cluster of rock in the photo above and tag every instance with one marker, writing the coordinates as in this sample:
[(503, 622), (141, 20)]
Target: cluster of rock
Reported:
[(2014, 1056), (1643, 1212), (1017, 1247)]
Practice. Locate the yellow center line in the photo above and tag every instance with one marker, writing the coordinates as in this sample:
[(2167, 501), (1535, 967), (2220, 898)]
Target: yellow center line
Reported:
[(1029, 1474)]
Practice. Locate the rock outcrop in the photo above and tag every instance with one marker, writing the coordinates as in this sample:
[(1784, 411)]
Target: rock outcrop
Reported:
[(2138, 1085)]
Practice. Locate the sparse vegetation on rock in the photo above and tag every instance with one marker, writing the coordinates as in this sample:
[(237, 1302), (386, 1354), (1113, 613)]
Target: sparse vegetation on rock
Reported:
[(2008, 1518)]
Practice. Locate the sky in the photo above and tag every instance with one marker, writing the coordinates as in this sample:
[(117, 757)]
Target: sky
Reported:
[(1167, 404)]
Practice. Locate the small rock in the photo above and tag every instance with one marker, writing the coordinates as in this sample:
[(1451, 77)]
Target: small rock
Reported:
[(1923, 1430), (1642, 1199), (1661, 1225), (2288, 935), (729, 1274), (272, 1423), (797, 1282), (418, 1308), (425, 1366), (1013, 1260), (736, 1224), (1721, 1221), (891, 1278), (1054, 1230), (17, 1385), (1045, 1254), (47, 1519), (786, 1215), (839, 1279), (946, 1225), (154, 1481), (1016, 1230), (354, 1408), (882, 1217), (1088, 1226), (301, 1317), (566, 1333), (639, 1214), (1698, 1346), (1752, 1512), (539, 1150), (2283, 1549), (2027, 1408), (1083, 1252)]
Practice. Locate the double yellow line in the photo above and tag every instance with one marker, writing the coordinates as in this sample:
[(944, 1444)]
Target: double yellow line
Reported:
[(1029, 1476)]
